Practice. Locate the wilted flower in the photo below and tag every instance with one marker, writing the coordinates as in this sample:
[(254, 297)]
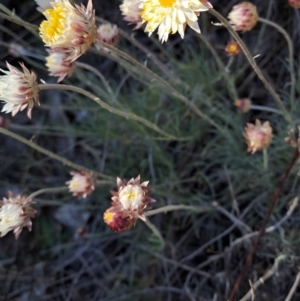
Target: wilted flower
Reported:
[(170, 16), (232, 48), (131, 11), (243, 16), (117, 221), (69, 27), (294, 3), (258, 136), (18, 90), (82, 183), (131, 198), (59, 65), (15, 214), (43, 4), (243, 104), (293, 137), (107, 33)]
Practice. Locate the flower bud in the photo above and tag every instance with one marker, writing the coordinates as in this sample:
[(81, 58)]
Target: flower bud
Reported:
[(294, 3), (232, 48), (243, 16), (258, 136), (82, 183), (59, 65), (243, 104), (107, 33), (116, 221)]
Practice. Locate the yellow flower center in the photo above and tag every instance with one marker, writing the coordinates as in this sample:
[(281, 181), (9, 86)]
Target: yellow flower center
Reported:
[(166, 3), (108, 217), (131, 195), (54, 24)]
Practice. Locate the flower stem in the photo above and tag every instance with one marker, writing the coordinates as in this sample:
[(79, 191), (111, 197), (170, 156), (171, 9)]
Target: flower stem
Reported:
[(172, 91), (252, 63), (291, 56), (155, 232), (266, 159), (48, 190), (169, 208), (12, 17), (48, 153), (108, 107), (149, 54)]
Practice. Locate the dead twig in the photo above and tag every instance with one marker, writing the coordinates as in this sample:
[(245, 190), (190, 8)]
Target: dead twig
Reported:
[(274, 201)]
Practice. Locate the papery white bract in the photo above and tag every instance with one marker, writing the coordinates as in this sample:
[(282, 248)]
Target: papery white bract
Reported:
[(15, 214), (18, 90)]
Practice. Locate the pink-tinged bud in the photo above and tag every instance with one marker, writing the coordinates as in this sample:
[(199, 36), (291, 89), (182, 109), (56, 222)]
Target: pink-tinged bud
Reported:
[(232, 48), (131, 198), (15, 214), (60, 65), (258, 136), (82, 184), (294, 3), (107, 33), (131, 11), (243, 16), (18, 89), (116, 221), (243, 104)]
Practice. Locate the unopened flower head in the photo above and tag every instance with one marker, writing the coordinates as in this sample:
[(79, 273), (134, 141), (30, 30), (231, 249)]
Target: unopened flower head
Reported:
[(69, 26), (243, 104), (170, 16), (59, 65), (107, 33), (131, 197), (131, 11), (294, 3), (18, 89), (43, 5), (15, 214), (232, 48), (117, 221), (243, 16), (293, 138), (258, 136), (82, 183)]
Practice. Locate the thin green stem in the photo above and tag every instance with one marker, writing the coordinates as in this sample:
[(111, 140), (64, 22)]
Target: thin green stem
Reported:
[(169, 208), (266, 158), (149, 54), (155, 232), (266, 109), (47, 190), (291, 56), (172, 91), (48, 153), (252, 62), (108, 107), (99, 74), (10, 16), (221, 65)]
